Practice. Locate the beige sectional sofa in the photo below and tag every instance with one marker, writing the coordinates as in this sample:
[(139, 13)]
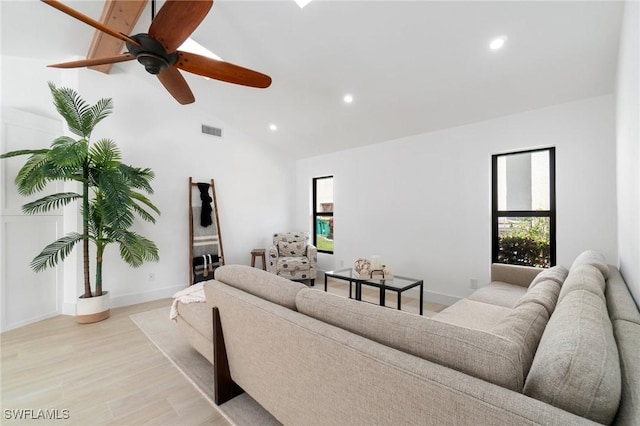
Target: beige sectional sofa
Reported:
[(532, 347)]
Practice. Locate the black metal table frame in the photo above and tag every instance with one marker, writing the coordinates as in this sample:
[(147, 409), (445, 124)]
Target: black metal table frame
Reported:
[(380, 284)]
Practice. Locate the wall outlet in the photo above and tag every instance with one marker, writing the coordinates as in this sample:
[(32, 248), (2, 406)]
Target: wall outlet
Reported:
[(473, 283), (342, 263), (151, 276)]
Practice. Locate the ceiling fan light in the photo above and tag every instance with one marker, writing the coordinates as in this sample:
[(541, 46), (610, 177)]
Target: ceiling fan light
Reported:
[(152, 63)]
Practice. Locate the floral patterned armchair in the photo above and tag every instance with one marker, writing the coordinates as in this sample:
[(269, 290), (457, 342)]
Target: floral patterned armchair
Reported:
[(292, 257)]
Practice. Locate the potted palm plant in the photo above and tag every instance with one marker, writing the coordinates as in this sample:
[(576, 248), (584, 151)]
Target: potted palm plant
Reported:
[(112, 195)]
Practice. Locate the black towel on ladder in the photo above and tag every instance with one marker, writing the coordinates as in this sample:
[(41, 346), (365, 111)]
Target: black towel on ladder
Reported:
[(205, 213)]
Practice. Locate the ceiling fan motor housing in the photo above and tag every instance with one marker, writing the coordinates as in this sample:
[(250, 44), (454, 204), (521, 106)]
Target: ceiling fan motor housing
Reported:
[(151, 54)]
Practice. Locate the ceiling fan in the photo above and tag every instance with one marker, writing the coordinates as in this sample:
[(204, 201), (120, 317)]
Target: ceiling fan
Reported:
[(157, 49)]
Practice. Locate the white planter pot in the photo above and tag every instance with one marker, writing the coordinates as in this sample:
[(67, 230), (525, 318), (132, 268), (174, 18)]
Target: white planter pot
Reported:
[(93, 309)]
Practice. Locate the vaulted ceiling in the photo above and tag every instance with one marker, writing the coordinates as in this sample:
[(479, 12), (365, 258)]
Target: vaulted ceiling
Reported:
[(412, 67)]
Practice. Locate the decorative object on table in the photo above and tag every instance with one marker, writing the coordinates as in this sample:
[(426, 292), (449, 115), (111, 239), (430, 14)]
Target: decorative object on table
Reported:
[(384, 273), (292, 257), (112, 194), (205, 240), (362, 266), (371, 268)]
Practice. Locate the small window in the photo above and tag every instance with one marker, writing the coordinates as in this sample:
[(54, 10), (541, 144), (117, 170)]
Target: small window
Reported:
[(524, 213), (323, 214)]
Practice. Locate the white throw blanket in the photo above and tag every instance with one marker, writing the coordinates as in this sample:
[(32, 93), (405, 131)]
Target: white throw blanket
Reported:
[(192, 294)]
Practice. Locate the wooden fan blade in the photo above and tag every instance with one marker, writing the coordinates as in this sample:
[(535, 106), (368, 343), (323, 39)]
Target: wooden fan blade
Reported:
[(94, 61), (176, 20), (221, 70), (89, 21), (175, 83)]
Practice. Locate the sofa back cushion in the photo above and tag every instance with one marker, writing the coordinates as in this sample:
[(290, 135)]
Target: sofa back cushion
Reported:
[(544, 293), (556, 273), (576, 366), (260, 283), (627, 335), (593, 258), (619, 301), (477, 353), (584, 277), (524, 327)]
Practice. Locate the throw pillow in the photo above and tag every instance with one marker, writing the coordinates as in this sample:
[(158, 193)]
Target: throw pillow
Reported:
[(292, 249)]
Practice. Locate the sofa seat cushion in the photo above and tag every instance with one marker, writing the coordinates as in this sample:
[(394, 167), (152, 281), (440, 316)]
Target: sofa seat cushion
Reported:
[(260, 283), (482, 355), (499, 293), (473, 315), (293, 264), (576, 366)]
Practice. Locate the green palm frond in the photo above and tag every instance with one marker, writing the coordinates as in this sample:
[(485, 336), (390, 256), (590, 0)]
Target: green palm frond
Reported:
[(97, 112), (116, 195), (72, 108), (50, 202), (34, 175), (24, 152), (138, 178), (144, 200), (105, 154), (136, 249), (55, 252), (66, 152)]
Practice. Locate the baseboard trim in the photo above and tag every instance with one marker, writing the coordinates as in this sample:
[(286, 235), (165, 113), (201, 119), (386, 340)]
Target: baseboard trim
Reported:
[(22, 323), (148, 296)]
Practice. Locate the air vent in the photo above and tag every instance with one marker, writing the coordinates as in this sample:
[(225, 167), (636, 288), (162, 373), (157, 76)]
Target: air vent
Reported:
[(210, 130)]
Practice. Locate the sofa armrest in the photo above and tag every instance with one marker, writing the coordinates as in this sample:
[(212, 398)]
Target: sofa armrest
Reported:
[(312, 255), (514, 274)]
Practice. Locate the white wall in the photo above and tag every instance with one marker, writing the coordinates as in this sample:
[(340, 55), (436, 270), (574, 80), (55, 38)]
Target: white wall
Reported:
[(628, 149), (423, 203), (154, 131)]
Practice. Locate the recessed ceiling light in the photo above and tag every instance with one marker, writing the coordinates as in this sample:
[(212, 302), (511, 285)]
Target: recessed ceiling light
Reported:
[(273, 127), (303, 3), (348, 98), (497, 43)]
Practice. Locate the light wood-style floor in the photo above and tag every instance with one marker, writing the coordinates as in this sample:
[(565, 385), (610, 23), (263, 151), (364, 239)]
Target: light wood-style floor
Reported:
[(107, 373), (110, 373)]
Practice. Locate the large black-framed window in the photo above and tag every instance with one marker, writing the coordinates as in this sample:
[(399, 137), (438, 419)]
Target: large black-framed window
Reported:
[(323, 214), (524, 208)]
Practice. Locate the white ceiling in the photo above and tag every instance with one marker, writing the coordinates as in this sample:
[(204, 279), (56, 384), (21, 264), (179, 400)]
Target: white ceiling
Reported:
[(412, 67)]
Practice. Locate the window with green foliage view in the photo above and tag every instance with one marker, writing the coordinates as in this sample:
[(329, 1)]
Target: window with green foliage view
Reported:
[(323, 213), (524, 215)]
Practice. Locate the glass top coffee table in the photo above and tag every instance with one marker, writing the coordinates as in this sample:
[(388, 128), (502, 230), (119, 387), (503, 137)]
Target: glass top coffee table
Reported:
[(396, 283)]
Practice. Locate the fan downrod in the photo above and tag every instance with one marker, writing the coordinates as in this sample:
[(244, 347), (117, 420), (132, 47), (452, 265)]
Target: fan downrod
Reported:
[(151, 54)]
